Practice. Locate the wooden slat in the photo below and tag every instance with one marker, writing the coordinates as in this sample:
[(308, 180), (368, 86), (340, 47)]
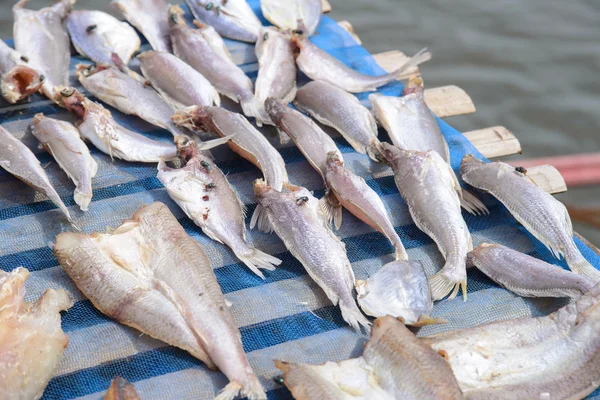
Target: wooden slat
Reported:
[(548, 178), (348, 27), (496, 141), (325, 6)]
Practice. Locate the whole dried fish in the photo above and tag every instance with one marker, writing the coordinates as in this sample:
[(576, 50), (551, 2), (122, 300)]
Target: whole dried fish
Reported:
[(276, 66), (203, 192), (18, 160), (157, 279), (149, 17), (98, 126), (18, 80), (304, 132), (395, 365), (178, 83), (551, 357), (399, 289), (32, 342), (295, 216), (128, 94), (41, 36), (98, 35), (352, 192), (542, 215), (205, 51), (61, 139), (293, 15), (318, 65), (342, 111), (233, 19), (525, 275), (121, 389), (430, 189), (247, 142)]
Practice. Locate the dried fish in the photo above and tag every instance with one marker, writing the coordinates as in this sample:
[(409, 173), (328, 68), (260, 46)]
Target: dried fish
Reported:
[(525, 275), (276, 66), (247, 142), (121, 389), (318, 65), (18, 160), (98, 35), (32, 342), (205, 51), (293, 15), (295, 216), (233, 19), (352, 192), (61, 139), (342, 111), (18, 80), (430, 189), (41, 36), (149, 17), (399, 289), (128, 93), (542, 215), (98, 126), (203, 192), (551, 357), (157, 279), (178, 83), (304, 132)]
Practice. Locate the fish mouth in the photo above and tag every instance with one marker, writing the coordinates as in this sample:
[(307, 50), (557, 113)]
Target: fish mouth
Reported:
[(333, 158), (193, 118), (71, 99), (261, 187), (21, 82)]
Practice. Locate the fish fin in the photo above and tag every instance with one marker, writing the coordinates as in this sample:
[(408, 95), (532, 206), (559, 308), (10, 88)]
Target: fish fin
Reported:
[(420, 57), (332, 209), (472, 204), (209, 144), (354, 317), (258, 259), (253, 107), (427, 320), (441, 285), (82, 199), (254, 391), (260, 217), (583, 267), (401, 253), (216, 97)]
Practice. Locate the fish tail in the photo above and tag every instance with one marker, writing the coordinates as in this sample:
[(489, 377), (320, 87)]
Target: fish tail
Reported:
[(353, 316), (82, 199), (472, 204), (253, 391), (427, 320), (420, 57), (441, 285), (400, 251), (257, 259), (253, 107), (581, 266)]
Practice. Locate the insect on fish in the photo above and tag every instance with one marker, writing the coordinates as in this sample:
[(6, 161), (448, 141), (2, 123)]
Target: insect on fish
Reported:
[(17, 79), (233, 19), (149, 17)]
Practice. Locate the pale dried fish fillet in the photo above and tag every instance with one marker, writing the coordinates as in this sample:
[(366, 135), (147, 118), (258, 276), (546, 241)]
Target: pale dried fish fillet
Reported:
[(276, 66), (18, 79), (233, 19)]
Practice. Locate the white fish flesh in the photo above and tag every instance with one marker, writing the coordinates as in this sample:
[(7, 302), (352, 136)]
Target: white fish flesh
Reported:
[(276, 66), (525, 275), (430, 189), (233, 19), (203, 192), (395, 364), (149, 17), (551, 357), (318, 65), (399, 289), (17, 79), (546, 218), (304, 132), (293, 15), (98, 126), (157, 279), (296, 217), (17, 159), (98, 35), (342, 111), (247, 142), (352, 192), (121, 389), (179, 84), (206, 52), (41, 36), (61, 139), (32, 342), (128, 94)]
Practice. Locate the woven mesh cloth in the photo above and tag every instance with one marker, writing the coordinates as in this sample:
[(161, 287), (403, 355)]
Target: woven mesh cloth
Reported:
[(286, 316)]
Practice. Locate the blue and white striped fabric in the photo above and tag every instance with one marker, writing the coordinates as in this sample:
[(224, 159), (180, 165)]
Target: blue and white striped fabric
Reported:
[(285, 316)]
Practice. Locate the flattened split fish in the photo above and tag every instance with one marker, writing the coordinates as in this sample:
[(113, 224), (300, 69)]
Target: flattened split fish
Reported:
[(41, 36), (203, 192), (430, 189), (546, 218), (157, 279), (98, 35), (293, 15), (17, 79), (18, 160), (61, 139), (296, 217), (233, 19), (32, 341), (276, 66), (149, 17)]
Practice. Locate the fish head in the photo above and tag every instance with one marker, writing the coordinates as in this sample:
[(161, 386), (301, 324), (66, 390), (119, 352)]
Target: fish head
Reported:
[(469, 164), (176, 16), (414, 85), (186, 147), (72, 99), (276, 109), (195, 118), (389, 152), (483, 250), (333, 161), (20, 82)]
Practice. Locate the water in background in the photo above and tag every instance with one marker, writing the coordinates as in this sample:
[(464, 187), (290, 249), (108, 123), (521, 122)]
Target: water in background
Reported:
[(530, 66)]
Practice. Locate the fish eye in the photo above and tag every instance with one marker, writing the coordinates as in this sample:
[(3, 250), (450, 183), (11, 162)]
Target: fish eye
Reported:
[(302, 200), (173, 18), (67, 92)]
